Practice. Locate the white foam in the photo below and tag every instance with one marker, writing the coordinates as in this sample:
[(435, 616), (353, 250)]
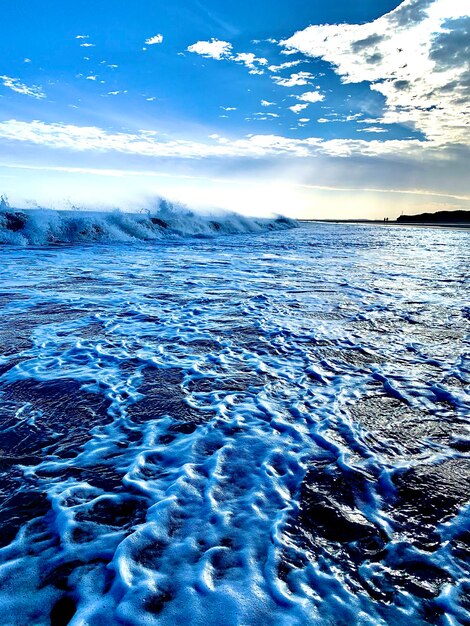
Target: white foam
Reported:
[(44, 226), (261, 345)]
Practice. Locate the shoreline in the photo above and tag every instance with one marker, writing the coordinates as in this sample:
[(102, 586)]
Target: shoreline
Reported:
[(454, 225)]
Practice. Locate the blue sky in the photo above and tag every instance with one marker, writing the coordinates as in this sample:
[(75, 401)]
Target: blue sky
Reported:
[(314, 109)]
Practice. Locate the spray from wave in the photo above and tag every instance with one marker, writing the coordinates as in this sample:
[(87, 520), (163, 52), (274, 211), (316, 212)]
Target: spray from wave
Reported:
[(47, 226)]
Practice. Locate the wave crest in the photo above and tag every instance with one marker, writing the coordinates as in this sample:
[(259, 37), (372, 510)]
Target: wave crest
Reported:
[(46, 226)]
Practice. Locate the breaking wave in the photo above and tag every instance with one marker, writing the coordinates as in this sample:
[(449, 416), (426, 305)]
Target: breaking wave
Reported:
[(46, 226)]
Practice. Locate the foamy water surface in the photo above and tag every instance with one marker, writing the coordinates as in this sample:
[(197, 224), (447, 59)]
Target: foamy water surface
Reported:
[(258, 429)]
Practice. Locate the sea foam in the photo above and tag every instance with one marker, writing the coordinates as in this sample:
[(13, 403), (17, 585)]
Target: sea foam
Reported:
[(46, 226), (258, 430)]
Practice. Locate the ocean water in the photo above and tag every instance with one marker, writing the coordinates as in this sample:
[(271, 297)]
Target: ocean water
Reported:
[(258, 429)]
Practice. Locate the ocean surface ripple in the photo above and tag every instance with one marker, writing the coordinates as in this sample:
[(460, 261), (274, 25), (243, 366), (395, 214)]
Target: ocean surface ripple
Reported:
[(257, 430)]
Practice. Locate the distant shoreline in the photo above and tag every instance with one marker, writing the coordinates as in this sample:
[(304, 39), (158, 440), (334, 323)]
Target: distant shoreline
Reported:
[(458, 225)]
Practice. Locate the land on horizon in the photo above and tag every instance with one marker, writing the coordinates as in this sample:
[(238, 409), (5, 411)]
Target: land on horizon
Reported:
[(439, 218)]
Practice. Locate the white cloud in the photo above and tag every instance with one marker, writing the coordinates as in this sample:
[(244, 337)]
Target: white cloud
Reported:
[(258, 41), (416, 56), (373, 129), (336, 117), (297, 108), (26, 60), (267, 103), (304, 120), (284, 66), (219, 50), (89, 139), (251, 61), (87, 45), (229, 108), (91, 77), (34, 91), (94, 139), (151, 41), (82, 37), (288, 51), (311, 97), (294, 80), (214, 49)]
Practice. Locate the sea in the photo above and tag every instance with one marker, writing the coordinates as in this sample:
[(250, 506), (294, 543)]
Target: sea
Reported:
[(233, 422)]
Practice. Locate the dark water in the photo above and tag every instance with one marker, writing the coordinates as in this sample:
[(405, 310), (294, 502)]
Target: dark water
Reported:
[(265, 429)]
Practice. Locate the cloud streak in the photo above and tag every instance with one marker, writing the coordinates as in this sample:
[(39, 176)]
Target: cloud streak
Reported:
[(156, 39), (126, 173), (294, 80), (15, 84), (149, 144)]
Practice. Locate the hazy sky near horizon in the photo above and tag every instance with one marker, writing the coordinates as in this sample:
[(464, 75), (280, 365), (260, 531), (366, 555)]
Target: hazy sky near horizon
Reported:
[(313, 109)]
